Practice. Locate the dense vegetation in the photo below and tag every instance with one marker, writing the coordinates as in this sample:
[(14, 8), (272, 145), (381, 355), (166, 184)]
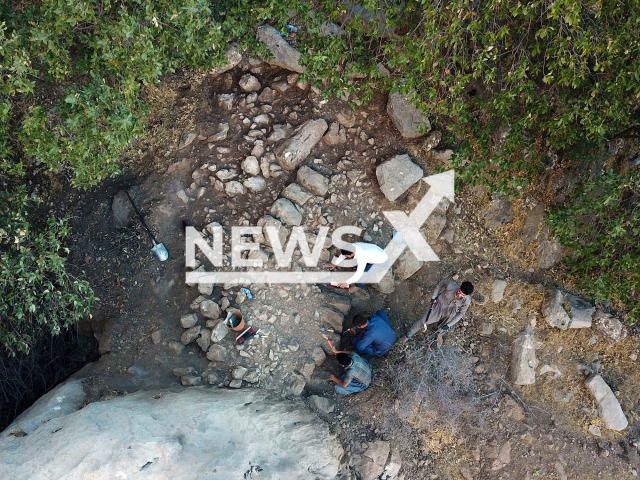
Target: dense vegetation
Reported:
[(548, 74)]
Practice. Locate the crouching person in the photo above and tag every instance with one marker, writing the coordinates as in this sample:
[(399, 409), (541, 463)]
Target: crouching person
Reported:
[(375, 335), (357, 373)]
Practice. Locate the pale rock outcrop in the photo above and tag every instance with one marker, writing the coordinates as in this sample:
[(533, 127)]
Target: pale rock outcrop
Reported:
[(196, 433)]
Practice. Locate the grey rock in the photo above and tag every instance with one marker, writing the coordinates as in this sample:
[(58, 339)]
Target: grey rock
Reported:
[(387, 284), (156, 337), (295, 384), (267, 95), (190, 335), (210, 309), (485, 329), (239, 373), (225, 101), (396, 175), (217, 353), (323, 404), (609, 408), (226, 174), (286, 212), (296, 193), (205, 288), (234, 188), (609, 326), (580, 311), (221, 135), (175, 347), (407, 265), (314, 181), (255, 184), (307, 368), (182, 371), (186, 140), (191, 380), (280, 86), (269, 221), (550, 253), (523, 359), (347, 118), (212, 379), (293, 151), (284, 55), (333, 318), (260, 257), (335, 135), (434, 226), (432, 141), (219, 332), (249, 83), (279, 132), (318, 356), (233, 59), (251, 377), (392, 469), (341, 303), (500, 212), (188, 321), (442, 156), (497, 290), (405, 116), (370, 460), (262, 119), (554, 311), (251, 165), (122, 210), (235, 383), (204, 340)]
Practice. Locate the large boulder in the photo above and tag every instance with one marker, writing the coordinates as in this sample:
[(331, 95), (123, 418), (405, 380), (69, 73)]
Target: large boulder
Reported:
[(609, 408), (284, 55), (396, 175), (523, 359), (333, 318), (294, 150), (405, 116), (196, 433)]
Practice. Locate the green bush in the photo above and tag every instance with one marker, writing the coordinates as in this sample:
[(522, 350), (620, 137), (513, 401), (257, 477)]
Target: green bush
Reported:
[(38, 297), (602, 226)]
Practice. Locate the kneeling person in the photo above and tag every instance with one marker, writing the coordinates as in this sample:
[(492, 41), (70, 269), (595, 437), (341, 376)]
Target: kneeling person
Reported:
[(357, 376), (375, 335)]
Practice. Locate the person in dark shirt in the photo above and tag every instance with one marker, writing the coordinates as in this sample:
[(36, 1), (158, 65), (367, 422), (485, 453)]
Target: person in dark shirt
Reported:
[(375, 335)]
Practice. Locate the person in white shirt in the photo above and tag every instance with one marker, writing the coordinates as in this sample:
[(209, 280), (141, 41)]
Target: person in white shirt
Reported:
[(370, 258)]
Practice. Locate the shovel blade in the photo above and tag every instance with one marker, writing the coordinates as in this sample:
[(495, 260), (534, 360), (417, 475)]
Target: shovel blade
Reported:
[(160, 252)]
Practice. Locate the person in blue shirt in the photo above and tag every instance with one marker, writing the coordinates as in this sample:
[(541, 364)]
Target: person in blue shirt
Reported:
[(374, 334)]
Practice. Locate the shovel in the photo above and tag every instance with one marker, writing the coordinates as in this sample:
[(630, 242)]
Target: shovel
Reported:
[(158, 249)]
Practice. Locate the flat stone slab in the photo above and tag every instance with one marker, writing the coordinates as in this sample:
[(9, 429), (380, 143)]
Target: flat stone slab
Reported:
[(396, 175), (284, 55), (609, 408)]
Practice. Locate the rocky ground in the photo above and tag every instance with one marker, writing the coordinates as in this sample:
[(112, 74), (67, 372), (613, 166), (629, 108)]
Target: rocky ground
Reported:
[(252, 145)]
